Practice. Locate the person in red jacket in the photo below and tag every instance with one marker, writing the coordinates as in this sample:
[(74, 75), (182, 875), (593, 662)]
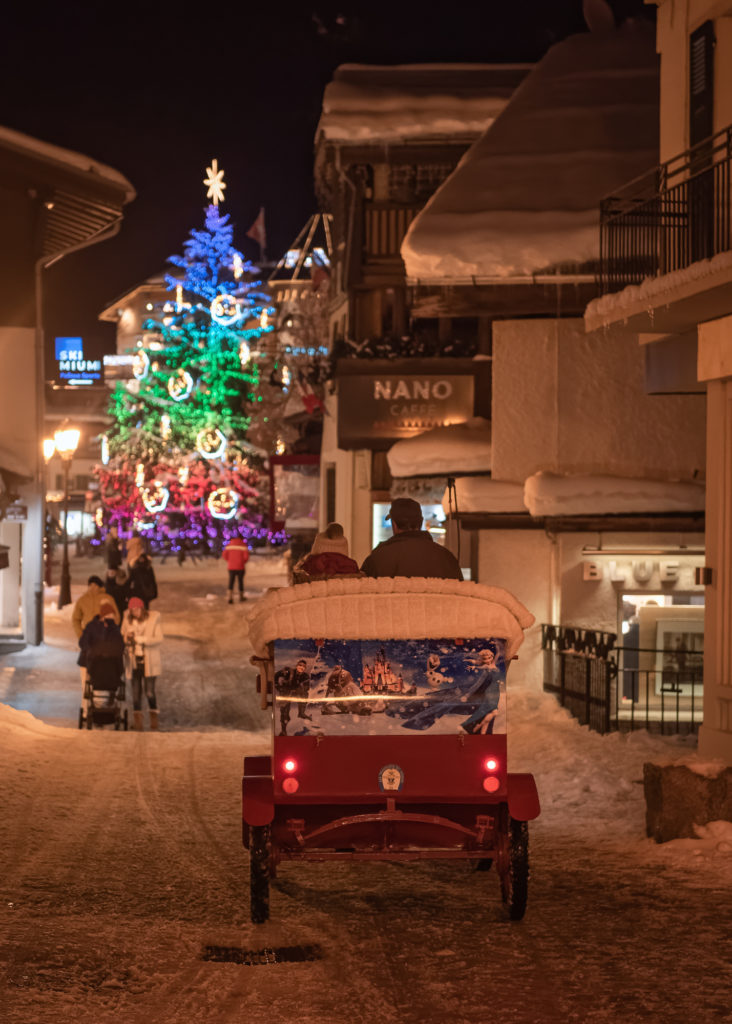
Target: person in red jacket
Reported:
[(236, 554)]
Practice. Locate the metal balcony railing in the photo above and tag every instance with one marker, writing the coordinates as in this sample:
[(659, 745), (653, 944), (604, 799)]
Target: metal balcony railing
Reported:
[(674, 216)]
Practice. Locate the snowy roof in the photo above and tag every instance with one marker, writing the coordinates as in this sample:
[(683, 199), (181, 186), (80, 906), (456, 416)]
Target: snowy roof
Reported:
[(64, 158), (388, 609), (549, 494), (525, 197), (458, 448), (369, 103)]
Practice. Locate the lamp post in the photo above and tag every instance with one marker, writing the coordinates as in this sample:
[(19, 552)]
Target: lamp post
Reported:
[(49, 450), (66, 440)]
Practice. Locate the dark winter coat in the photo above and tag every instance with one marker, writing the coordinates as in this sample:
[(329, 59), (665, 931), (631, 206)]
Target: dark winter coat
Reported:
[(412, 553), (142, 581), (119, 591), (102, 650), (114, 553)]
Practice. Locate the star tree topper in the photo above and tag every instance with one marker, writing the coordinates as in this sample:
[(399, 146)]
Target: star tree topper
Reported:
[(215, 182)]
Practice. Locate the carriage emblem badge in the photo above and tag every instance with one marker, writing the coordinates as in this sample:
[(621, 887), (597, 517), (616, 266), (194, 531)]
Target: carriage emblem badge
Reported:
[(391, 777)]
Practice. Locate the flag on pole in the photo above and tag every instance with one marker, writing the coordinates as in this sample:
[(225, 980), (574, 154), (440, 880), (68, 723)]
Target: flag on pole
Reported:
[(258, 233)]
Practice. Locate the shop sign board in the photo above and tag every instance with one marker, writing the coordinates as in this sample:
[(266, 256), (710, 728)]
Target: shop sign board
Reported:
[(377, 409), (72, 368), (16, 513)]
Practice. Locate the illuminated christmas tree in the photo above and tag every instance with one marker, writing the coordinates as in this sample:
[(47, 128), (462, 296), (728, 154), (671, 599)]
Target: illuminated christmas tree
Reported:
[(177, 464)]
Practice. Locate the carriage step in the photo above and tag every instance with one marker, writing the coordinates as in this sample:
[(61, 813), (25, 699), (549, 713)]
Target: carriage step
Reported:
[(261, 957)]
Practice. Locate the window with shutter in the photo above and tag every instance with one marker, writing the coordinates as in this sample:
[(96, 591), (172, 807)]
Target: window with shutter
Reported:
[(701, 83)]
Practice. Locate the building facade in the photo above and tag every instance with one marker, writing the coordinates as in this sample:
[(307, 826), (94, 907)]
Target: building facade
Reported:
[(667, 277)]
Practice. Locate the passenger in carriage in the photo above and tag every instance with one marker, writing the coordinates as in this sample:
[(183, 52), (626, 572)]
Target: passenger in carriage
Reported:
[(411, 550), (328, 556)]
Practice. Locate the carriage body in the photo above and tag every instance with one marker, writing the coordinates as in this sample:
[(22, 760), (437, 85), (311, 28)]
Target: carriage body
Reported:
[(389, 729)]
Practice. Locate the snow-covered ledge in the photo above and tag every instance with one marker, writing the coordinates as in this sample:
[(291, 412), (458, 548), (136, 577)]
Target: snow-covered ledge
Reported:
[(388, 609), (553, 494), (663, 290), (457, 448)]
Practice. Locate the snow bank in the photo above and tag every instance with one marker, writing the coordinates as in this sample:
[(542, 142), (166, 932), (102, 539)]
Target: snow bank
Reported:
[(459, 448), (525, 198), (549, 494), (388, 609), (366, 103), (484, 494)]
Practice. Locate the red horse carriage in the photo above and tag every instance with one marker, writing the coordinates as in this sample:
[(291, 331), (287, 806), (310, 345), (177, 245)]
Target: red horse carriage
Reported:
[(388, 701)]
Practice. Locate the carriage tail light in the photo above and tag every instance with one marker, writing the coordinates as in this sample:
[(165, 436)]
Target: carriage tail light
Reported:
[(491, 783), (290, 784)]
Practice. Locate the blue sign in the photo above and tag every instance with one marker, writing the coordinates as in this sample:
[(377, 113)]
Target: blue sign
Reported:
[(72, 368)]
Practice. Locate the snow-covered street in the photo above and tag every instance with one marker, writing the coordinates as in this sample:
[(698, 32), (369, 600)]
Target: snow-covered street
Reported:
[(122, 862)]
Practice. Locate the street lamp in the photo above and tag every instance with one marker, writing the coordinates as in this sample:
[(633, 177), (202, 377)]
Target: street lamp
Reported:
[(49, 450), (66, 440)]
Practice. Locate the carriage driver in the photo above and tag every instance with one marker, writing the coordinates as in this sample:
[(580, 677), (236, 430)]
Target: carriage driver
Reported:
[(411, 550)]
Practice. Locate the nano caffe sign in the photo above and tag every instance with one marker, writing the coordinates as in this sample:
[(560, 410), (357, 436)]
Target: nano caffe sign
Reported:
[(374, 410)]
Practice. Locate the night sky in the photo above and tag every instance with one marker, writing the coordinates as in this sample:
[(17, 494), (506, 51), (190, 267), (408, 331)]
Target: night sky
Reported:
[(156, 93)]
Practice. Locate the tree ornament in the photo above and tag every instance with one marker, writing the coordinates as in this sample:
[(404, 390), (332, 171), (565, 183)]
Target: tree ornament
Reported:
[(223, 503), (211, 443), (225, 310), (180, 385), (140, 364), (155, 496)]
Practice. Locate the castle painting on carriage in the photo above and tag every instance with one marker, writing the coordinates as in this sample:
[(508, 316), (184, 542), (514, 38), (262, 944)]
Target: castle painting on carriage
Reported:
[(405, 687)]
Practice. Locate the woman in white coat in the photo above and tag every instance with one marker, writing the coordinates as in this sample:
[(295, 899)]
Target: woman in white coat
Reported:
[(143, 634)]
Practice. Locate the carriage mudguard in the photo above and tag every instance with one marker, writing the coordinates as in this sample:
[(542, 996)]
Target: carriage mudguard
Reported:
[(523, 799), (257, 789)]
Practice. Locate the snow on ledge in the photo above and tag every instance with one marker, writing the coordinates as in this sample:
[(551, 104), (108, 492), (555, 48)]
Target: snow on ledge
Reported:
[(654, 291), (484, 494), (388, 609), (458, 448), (549, 494)]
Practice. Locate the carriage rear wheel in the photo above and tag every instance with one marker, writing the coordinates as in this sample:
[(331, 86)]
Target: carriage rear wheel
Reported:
[(513, 866), (260, 855)]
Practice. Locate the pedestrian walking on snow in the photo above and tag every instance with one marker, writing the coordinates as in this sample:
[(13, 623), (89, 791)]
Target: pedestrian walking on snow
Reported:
[(236, 554), (142, 582), (143, 634)]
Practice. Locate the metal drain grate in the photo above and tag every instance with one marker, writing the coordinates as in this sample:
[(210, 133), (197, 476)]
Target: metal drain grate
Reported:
[(259, 957)]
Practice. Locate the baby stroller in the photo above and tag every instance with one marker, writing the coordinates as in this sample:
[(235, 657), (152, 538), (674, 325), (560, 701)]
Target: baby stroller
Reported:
[(104, 694)]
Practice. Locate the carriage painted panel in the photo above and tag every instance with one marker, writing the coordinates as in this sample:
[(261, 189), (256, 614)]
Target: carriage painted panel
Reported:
[(402, 687)]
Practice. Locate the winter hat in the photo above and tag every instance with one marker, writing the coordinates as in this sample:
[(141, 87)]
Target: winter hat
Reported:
[(331, 539), (135, 602), (106, 607), (95, 579)]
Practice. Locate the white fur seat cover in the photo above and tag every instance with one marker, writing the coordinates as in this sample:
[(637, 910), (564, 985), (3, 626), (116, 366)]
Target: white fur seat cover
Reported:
[(388, 609)]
